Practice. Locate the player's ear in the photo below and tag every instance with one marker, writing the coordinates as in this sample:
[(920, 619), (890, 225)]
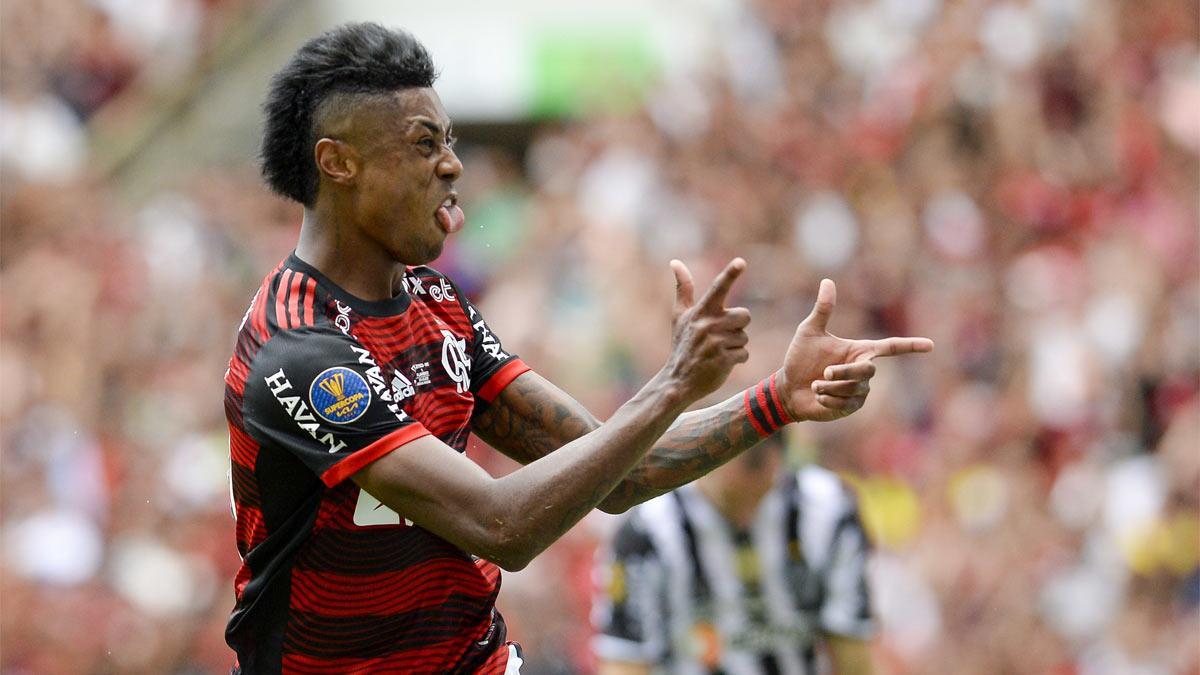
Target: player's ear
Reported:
[(337, 160)]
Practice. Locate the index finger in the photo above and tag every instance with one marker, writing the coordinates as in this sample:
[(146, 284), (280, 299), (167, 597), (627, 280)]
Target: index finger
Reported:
[(895, 346), (714, 297)]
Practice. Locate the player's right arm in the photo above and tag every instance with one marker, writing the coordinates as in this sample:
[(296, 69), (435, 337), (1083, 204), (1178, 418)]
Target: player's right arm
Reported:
[(823, 377), (510, 520)]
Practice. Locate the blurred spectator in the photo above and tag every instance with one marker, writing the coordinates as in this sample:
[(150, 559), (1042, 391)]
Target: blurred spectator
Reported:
[(752, 569)]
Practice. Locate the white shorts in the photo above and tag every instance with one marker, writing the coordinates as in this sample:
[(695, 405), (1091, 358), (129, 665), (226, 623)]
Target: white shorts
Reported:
[(514, 661)]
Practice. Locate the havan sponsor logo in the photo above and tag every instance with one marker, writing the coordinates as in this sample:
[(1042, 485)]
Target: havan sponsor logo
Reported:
[(487, 339), (299, 411), (382, 388)]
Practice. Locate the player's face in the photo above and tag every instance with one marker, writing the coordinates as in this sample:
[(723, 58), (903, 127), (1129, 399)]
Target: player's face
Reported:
[(405, 199)]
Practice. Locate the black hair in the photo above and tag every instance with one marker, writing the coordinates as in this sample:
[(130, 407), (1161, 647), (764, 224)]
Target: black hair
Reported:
[(355, 58)]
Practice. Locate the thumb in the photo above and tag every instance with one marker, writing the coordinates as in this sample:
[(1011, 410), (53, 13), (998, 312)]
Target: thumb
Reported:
[(818, 318), (684, 288)]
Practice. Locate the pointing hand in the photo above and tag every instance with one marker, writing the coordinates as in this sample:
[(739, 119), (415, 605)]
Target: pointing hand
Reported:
[(708, 339), (825, 377)]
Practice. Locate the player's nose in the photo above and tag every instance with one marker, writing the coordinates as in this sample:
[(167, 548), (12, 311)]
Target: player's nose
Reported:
[(450, 168)]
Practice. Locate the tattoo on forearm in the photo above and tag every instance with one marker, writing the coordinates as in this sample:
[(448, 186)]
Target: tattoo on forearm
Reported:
[(530, 422), (697, 443)]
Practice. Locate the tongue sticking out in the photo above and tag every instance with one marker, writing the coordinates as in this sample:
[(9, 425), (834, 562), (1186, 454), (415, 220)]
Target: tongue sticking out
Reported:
[(451, 218)]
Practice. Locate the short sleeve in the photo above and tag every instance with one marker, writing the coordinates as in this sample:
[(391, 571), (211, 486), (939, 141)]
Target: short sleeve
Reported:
[(320, 395), (492, 368), (629, 612), (846, 609)]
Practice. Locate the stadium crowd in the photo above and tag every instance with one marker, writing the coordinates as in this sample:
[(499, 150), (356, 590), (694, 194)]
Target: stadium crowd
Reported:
[(1016, 180)]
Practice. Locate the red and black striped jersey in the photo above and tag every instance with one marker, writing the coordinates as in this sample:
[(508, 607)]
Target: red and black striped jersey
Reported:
[(320, 385)]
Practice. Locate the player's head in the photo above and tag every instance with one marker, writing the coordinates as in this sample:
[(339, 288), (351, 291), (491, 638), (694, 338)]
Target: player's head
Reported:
[(353, 126), (351, 66)]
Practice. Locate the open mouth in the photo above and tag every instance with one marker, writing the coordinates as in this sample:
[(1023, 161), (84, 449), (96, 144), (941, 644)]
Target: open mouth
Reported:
[(449, 216)]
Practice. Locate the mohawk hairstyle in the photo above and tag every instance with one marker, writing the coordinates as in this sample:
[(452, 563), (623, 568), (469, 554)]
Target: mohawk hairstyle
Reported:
[(355, 58)]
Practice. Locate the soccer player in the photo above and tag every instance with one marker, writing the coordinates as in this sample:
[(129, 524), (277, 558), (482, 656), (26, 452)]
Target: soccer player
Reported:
[(369, 541), (750, 570)]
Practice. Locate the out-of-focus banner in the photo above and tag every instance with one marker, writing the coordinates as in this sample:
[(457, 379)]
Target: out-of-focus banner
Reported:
[(532, 58)]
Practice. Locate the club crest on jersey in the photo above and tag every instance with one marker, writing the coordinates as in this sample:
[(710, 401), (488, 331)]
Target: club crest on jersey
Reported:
[(339, 395), (456, 361)]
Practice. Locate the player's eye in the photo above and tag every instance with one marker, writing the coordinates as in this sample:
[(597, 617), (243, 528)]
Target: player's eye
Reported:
[(427, 143)]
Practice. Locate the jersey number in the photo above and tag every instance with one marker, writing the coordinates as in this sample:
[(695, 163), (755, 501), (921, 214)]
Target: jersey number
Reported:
[(370, 511)]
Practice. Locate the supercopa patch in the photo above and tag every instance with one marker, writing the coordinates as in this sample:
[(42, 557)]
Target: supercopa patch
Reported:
[(339, 395)]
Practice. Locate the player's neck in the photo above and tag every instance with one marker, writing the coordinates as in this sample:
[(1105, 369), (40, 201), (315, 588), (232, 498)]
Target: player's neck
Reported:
[(360, 269)]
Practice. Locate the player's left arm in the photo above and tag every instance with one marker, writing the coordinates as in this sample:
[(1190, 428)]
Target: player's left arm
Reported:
[(824, 377)]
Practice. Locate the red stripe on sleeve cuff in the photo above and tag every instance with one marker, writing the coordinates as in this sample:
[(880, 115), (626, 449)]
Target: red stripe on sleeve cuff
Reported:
[(760, 395), (360, 458), (787, 419), (502, 378), (750, 415)]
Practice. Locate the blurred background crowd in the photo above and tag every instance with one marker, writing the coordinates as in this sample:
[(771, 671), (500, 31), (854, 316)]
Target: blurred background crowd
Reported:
[(1016, 179)]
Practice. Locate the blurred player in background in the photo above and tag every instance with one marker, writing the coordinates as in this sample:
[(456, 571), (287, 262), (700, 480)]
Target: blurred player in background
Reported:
[(750, 570), (369, 541)]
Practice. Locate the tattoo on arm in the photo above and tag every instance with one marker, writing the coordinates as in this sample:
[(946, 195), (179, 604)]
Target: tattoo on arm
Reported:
[(697, 443), (532, 418)]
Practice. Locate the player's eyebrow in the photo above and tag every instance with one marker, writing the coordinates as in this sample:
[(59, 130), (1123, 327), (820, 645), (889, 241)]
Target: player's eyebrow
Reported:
[(434, 126)]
